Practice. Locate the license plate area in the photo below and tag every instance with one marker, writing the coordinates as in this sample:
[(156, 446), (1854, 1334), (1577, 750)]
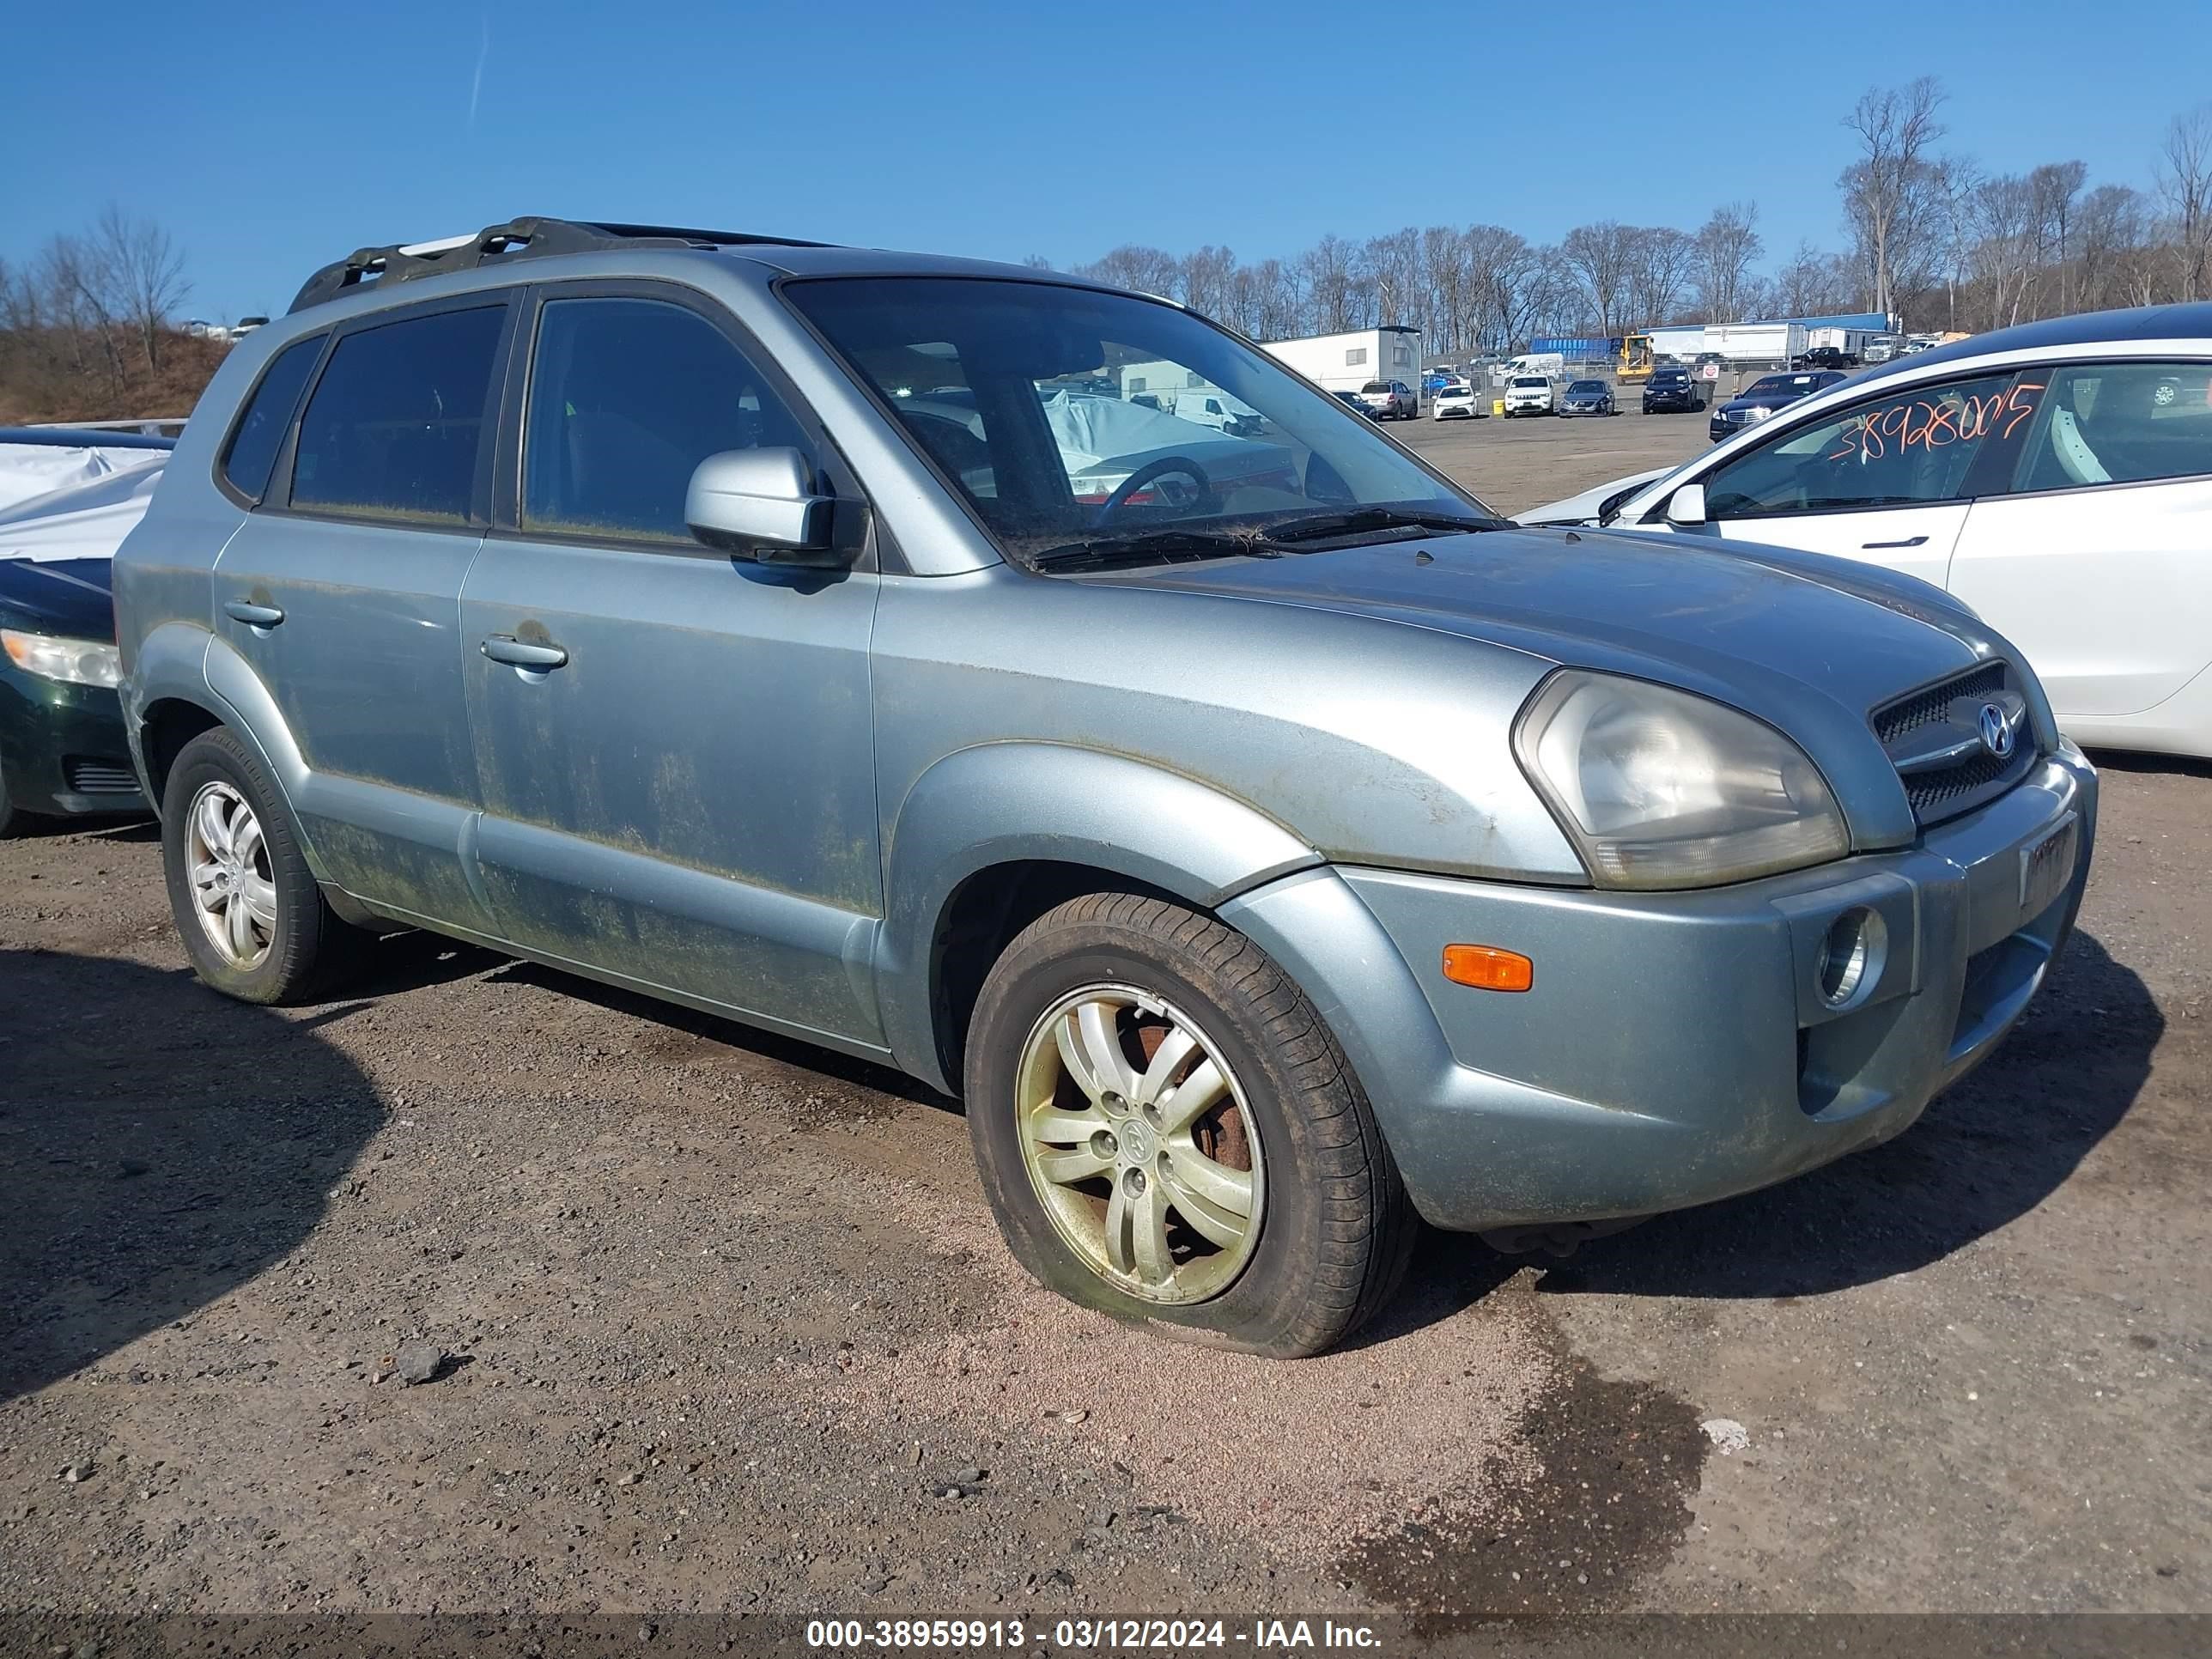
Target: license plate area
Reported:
[(2046, 864)]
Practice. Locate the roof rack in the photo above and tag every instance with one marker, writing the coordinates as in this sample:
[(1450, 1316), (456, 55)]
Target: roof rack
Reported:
[(516, 238)]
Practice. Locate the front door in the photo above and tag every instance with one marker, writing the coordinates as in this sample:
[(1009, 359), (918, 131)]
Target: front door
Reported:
[(675, 747), (1885, 480), (342, 594)]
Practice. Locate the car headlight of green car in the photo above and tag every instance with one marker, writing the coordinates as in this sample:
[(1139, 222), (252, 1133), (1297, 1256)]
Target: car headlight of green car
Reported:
[(72, 662), (1660, 788)]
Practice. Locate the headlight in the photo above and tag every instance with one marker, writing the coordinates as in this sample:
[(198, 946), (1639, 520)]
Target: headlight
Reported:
[(1660, 788), (77, 662)]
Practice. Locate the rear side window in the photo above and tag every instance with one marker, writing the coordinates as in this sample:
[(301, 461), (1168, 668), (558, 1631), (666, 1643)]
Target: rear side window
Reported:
[(394, 427), (2119, 423), (260, 431), (626, 396)]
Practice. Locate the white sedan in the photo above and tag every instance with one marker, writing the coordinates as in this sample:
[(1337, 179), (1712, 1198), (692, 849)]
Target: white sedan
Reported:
[(1455, 402), (2056, 477)]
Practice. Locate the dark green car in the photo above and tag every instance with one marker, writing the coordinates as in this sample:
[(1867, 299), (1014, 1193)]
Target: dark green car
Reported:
[(62, 746)]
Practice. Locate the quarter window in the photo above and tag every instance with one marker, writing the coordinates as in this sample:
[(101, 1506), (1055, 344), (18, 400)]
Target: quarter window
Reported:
[(626, 396), (394, 427), (260, 433), (1909, 449), (2118, 423)]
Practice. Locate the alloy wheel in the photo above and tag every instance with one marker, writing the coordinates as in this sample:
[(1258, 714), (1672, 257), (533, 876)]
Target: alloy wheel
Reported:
[(234, 888), (1138, 1141)]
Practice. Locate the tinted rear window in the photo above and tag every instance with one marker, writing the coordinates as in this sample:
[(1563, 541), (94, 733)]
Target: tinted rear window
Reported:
[(392, 430), (1375, 386), (260, 432)]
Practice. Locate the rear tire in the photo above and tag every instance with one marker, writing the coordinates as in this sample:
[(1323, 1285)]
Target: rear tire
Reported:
[(1137, 999), (252, 919)]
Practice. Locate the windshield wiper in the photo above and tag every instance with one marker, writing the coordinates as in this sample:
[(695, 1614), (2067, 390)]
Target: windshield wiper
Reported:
[(1160, 545), (1369, 518)]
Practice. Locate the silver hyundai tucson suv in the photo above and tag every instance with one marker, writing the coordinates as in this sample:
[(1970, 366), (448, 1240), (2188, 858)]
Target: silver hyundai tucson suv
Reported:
[(1269, 843)]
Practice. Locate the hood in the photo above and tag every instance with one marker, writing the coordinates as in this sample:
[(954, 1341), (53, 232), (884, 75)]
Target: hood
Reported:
[(1765, 400), (67, 597), (1808, 643), (1585, 507)]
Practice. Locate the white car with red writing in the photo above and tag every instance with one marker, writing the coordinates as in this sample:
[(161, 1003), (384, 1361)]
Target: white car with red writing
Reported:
[(2056, 477)]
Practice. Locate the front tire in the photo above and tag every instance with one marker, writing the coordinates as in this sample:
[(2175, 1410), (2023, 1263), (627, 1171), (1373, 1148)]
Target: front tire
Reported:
[(252, 919), (1167, 1132)]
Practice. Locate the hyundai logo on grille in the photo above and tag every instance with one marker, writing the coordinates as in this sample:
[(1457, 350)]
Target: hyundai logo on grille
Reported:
[(1996, 730)]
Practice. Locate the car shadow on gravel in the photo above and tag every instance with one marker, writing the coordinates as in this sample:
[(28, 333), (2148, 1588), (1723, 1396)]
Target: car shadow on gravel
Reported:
[(1985, 1152), (159, 1146)]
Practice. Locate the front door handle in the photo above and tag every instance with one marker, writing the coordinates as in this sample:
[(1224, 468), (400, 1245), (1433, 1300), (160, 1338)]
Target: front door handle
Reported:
[(1909, 541), (254, 616), (505, 648)]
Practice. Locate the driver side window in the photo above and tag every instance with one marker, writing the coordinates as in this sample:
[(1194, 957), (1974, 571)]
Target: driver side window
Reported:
[(1913, 449), (626, 398)]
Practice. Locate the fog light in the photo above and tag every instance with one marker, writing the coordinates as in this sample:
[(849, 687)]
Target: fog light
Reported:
[(1851, 956)]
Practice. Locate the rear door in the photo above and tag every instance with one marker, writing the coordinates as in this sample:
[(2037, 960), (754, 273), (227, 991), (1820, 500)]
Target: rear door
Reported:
[(2094, 552), (1885, 480), (677, 763), (341, 590)]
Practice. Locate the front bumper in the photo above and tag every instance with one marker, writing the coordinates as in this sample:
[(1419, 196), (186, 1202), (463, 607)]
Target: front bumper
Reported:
[(1675, 1047), (63, 748)]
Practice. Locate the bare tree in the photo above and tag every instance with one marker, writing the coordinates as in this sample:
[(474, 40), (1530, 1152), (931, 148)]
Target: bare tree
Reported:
[(143, 272), (1811, 282), (1890, 191), (2111, 231), (1147, 269), (2184, 179), (1726, 248), (2052, 188), (1391, 266), (1600, 256), (1332, 298), (1663, 259), (2004, 259), (1205, 280)]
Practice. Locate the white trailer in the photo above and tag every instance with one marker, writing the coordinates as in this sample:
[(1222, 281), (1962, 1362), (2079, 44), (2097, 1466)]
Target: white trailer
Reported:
[(1851, 342), (1682, 341), (1345, 362), (1741, 345)]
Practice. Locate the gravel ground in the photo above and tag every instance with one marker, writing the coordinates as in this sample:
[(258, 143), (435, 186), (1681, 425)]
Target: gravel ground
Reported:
[(714, 1322)]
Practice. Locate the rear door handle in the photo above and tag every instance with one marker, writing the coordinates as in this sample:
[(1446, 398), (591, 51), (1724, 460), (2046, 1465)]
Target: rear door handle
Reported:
[(1909, 541), (505, 648), (256, 616)]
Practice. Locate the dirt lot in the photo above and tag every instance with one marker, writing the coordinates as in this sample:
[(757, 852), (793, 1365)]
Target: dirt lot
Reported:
[(729, 1327)]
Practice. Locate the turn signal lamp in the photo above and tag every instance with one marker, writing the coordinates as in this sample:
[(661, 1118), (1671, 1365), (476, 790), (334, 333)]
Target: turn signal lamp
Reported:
[(1486, 967)]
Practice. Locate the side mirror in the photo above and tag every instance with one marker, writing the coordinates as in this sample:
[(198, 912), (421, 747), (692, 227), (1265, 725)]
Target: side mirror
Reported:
[(760, 504), (1685, 507)]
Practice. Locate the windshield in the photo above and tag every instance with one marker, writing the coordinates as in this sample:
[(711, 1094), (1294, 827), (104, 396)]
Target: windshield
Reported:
[(1022, 395), (1587, 387), (1530, 383)]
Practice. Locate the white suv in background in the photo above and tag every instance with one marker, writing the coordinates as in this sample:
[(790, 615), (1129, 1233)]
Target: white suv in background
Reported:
[(1530, 394), (1389, 400)]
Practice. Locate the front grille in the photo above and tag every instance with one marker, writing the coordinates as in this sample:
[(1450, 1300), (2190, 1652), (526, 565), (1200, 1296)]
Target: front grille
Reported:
[(88, 775), (1934, 738)]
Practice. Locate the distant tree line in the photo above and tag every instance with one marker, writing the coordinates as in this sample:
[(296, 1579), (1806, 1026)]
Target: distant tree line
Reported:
[(1930, 236), (88, 328)]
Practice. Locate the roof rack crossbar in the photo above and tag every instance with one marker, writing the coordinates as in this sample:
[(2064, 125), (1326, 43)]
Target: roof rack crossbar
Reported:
[(516, 238)]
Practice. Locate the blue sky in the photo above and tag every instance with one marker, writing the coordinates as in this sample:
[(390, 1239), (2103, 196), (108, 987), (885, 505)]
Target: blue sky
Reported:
[(271, 138)]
